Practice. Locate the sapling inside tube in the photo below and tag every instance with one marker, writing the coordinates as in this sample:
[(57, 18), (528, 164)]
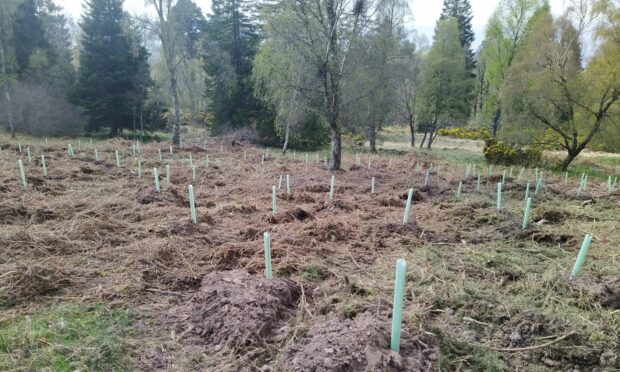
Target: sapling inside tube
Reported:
[(478, 183), (29, 155), (372, 186), (193, 173), (139, 168), (526, 213), (538, 183), (267, 240), (428, 172), (96, 155), (499, 195), (288, 184), (581, 257), (44, 165), (331, 187), (273, 200), (192, 204), (168, 173), (408, 207), (397, 306), (280, 183), (458, 191), (22, 172), (118, 159), (156, 176), (527, 191)]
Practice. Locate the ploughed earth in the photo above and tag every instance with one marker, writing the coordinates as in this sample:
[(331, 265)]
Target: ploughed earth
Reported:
[(482, 293)]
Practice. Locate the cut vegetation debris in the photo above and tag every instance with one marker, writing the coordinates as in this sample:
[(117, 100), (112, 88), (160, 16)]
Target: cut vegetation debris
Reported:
[(481, 292)]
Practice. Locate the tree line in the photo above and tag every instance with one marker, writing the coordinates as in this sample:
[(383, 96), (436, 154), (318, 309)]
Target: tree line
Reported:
[(300, 73)]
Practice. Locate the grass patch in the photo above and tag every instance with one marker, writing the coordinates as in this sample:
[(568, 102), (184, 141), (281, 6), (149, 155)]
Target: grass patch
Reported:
[(455, 355), (66, 338), (314, 273)]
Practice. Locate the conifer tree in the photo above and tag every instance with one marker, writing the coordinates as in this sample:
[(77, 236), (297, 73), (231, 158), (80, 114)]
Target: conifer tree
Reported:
[(232, 41), (461, 10), (105, 78)]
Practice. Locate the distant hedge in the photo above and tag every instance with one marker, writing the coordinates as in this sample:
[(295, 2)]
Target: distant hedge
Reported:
[(497, 152), (463, 133)]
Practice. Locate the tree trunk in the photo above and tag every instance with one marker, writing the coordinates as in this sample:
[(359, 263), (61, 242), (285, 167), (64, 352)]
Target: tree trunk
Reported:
[(336, 149), (9, 109), (372, 137), (412, 131), (287, 134), (176, 125), (165, 38), (431, 138), (424, 138), (7, 92), (141, 124), (495, 123), (568, 159)]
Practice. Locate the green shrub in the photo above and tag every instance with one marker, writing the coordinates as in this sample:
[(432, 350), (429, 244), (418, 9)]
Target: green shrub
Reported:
[(502, 153), (464, 133)]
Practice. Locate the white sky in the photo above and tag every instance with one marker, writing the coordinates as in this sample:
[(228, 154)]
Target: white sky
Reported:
[(425, 12)]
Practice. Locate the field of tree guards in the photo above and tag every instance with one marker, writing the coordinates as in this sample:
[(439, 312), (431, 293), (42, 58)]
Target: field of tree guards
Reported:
[(310, 185), (122, 255)]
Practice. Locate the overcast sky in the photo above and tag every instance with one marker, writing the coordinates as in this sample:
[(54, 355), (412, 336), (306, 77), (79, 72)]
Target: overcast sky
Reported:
[(425, 12)]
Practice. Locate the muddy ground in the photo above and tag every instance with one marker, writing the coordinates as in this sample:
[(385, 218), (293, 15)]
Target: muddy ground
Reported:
[(482, 294)]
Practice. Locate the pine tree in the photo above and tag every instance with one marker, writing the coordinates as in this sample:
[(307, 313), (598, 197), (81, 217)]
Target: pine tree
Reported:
[(231, 43), (28, 31), (461, 10), (107, 66)]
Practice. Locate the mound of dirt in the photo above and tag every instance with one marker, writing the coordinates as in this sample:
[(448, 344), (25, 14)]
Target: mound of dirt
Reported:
[(360, 344), (334, 206), (235, 309), (317, 188), (289, 216), (552, 216), (330, 232)]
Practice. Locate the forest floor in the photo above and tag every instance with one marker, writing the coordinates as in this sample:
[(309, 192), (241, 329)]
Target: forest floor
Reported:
[(98, 271)]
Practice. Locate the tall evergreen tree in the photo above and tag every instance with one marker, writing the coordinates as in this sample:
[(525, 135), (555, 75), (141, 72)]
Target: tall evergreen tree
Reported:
[(105, 78), (461, 10), (230, 46), (28, 31), (7, 59), (446, 86)]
